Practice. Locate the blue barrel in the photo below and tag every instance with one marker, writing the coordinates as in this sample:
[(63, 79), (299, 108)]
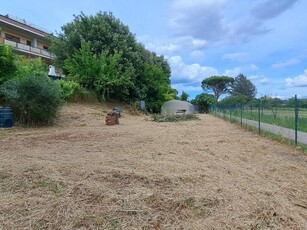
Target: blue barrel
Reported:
[(6, 117)]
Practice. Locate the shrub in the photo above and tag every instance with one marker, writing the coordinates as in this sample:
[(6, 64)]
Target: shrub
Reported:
[(35, 100), (174, 118), (69, 89), (30, 67), (7, 63), (85, 95)]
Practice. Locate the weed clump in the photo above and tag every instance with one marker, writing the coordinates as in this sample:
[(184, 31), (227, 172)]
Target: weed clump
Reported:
[(174, 118)]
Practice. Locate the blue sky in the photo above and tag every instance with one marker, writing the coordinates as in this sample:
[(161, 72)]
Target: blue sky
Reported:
[(266, 40)]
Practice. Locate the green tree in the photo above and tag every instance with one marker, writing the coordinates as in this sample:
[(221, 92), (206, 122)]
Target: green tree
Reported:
[(231, 100), (218, 84), (7, 63), (184, 96), (243, 86), (104, 32), (158, 89), (268, 102), (203, 101), (290, 103), (69, 89), (103, 55), (272, 104), (28, 67), (104, 73), (302, 103)]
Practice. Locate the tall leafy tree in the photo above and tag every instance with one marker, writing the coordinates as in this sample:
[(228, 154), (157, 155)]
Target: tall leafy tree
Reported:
[(104, 73), (158, 89), (104, 31), (102, 54), (243, 87), (218, 84)]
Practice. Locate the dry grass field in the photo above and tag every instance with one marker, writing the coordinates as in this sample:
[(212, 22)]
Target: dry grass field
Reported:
[(204, 174)]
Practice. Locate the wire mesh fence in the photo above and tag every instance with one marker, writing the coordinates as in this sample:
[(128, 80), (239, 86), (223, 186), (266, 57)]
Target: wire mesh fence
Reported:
[(287, 122)]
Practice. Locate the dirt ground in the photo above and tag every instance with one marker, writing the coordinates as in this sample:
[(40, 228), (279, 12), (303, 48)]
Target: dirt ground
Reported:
[(204, 174)]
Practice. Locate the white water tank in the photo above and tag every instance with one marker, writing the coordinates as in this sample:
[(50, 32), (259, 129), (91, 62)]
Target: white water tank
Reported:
[(51, 71)]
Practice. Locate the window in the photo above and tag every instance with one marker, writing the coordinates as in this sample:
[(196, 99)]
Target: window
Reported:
[(12, 38), (29, 43), (45, 48)]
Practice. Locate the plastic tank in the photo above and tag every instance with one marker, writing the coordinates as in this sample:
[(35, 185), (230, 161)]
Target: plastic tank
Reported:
[(6, 117)]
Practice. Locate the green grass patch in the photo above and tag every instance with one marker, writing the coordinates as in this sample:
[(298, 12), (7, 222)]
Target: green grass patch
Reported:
[(50, 185), (174, 118), (190, 202), (3, 176), (111, 224)]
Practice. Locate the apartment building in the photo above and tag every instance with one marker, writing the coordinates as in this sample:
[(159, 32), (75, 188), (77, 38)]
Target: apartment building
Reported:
[(25, 38)]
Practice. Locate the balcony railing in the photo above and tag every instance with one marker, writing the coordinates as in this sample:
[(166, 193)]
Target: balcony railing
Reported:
[(29, 49)]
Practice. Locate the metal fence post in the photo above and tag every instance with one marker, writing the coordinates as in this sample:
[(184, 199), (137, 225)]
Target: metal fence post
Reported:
[(259, 116), (296, 118)]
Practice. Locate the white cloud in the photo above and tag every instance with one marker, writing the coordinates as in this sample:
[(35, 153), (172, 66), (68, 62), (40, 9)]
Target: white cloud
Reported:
[(233, 72), (299, 81), (240, 57), (197, 54), (168, 46), (162, 49), (259, 78), (194, 73), (191, 43), (264, 81), (253, 67), (289, 62), (187, 87)]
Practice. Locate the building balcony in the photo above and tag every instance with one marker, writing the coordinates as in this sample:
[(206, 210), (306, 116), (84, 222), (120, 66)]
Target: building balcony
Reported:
[(28, 50)]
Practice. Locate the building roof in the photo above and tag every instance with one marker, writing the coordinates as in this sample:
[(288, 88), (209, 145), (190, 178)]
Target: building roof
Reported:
[(23, 25)]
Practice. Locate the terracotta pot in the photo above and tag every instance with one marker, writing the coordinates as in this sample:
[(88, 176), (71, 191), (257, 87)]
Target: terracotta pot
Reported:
[(110, 120)]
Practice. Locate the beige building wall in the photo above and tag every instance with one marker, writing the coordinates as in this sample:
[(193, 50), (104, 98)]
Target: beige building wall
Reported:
[(23, 33), (24, 39)]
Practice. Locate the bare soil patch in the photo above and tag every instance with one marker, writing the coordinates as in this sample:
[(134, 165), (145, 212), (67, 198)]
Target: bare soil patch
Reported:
[(204, 174)]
